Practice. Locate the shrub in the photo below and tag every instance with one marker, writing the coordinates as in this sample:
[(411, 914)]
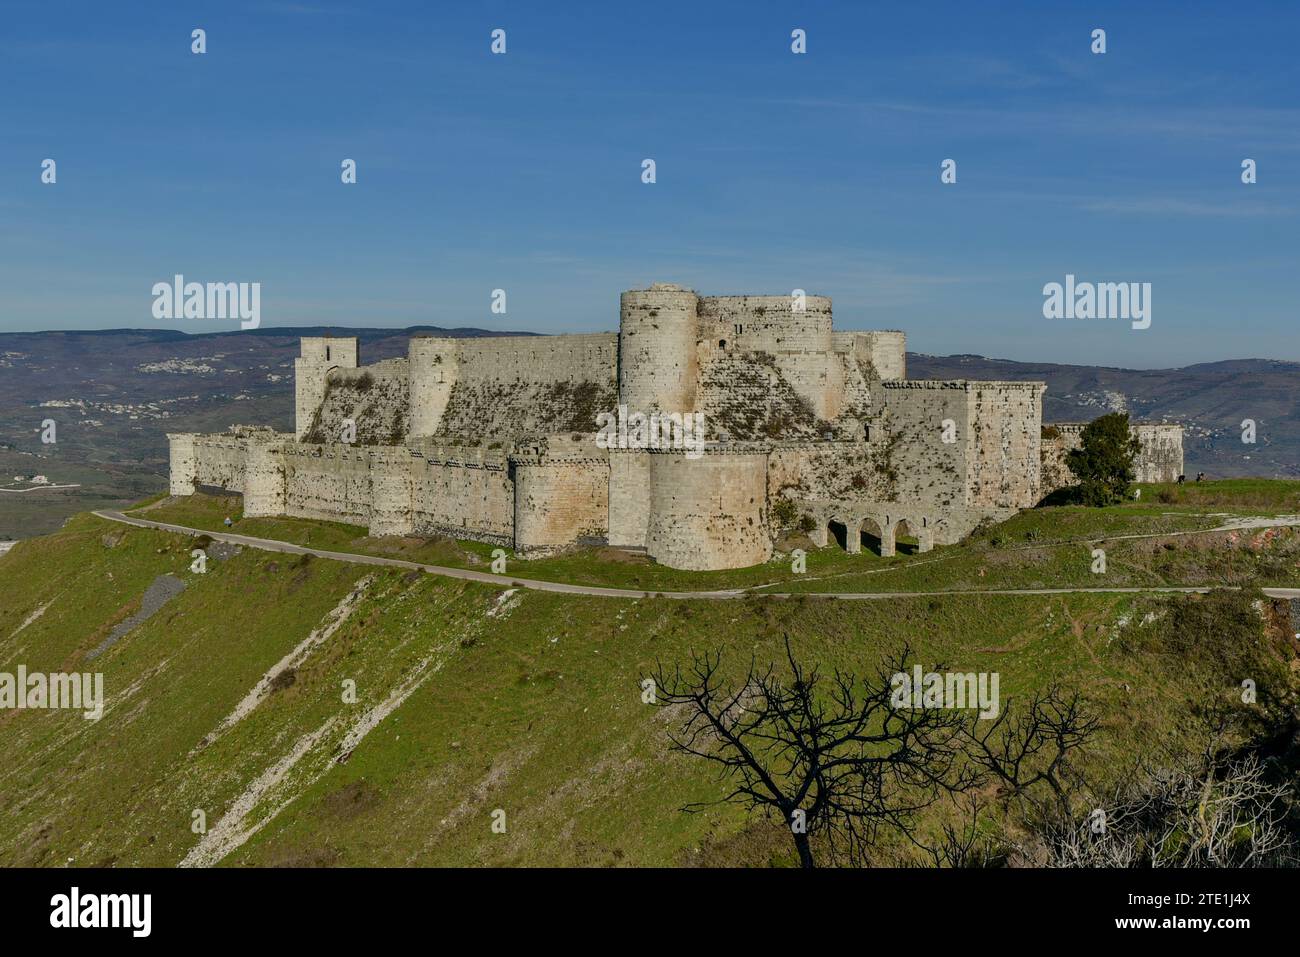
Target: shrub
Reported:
[(1103, 462), (1218, 637), (783, 510)]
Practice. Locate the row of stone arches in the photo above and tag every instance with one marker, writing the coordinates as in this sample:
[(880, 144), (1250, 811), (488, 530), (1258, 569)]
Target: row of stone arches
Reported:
[(882, 534)]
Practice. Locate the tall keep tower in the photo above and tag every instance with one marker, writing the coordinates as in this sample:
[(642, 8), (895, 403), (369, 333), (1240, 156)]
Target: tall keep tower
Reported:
[(657, 361), (434, 365)]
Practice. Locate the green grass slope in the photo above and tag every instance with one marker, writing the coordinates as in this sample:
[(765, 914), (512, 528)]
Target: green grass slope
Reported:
[(471, 699)]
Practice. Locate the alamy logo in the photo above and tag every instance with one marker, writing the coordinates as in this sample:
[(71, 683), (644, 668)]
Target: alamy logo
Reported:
[(214, 300), (36, 690), (658, 430), (1103, 300), (103, 910), (953, 690)]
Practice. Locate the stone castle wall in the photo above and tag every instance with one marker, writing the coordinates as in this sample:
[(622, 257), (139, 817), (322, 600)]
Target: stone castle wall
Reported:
[(629, 498), (1160, 458), (767, 323), (884, 352), (236, 461), (986, 457), (799, 341), (818, 471), (1006, 418), (373, 399), (328, 483), (220, 462), (463, 493), (922, 467), (560, 502), (492, 439), (182, 463), (264, 481), (496, 389)]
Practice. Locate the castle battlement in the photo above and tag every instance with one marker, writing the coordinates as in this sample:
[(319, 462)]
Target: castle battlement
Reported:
[(965, 385), (497, 438)]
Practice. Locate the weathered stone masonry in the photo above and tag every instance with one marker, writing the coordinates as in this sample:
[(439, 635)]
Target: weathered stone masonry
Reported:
[(1160, 458), (495, 439)]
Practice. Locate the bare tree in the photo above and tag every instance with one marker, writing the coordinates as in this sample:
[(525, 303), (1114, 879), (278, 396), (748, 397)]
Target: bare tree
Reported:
[(1036, 746), (831, 755), (962, 845), (1212, 812)]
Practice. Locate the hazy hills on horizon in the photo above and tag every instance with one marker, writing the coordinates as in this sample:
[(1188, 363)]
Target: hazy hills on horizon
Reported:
[(368, 334)]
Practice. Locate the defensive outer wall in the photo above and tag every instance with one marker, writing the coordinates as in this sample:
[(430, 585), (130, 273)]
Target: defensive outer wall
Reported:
[(496, 439)]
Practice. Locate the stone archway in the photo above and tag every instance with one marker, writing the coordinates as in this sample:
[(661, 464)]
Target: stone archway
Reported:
[(839, 531), (871, 535), (913, 534), (906, 536)]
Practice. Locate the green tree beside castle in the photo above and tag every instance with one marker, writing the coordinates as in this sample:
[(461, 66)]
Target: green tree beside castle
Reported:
[(1103, 462)]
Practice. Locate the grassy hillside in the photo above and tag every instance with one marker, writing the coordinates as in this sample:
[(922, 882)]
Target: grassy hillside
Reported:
[(471, 698)]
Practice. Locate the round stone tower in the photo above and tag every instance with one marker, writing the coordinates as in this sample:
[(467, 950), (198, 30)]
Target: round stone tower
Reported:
[(657, 363), (710, 512)]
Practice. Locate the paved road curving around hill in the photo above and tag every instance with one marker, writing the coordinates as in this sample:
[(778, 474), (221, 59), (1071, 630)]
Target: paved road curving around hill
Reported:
[(511, 581)]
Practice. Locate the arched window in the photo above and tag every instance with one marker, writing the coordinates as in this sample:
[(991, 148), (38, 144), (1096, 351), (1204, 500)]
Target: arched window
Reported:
[(866, 433), (722, 343)]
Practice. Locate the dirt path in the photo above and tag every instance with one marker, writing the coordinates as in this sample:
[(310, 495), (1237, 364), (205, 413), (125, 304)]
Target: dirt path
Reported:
[(510, 581), (39, 488)]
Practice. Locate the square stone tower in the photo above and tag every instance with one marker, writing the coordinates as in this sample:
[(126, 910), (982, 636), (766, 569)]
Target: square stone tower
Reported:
[(320, 355)]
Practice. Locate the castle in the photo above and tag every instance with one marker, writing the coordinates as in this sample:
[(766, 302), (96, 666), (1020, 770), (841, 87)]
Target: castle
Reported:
[(499, 440)]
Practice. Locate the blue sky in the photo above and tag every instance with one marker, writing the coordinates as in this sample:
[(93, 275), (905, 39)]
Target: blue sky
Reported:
[(775, 171)]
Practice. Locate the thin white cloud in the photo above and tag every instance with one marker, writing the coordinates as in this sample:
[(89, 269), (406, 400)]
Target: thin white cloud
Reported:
[(1173, 206)]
